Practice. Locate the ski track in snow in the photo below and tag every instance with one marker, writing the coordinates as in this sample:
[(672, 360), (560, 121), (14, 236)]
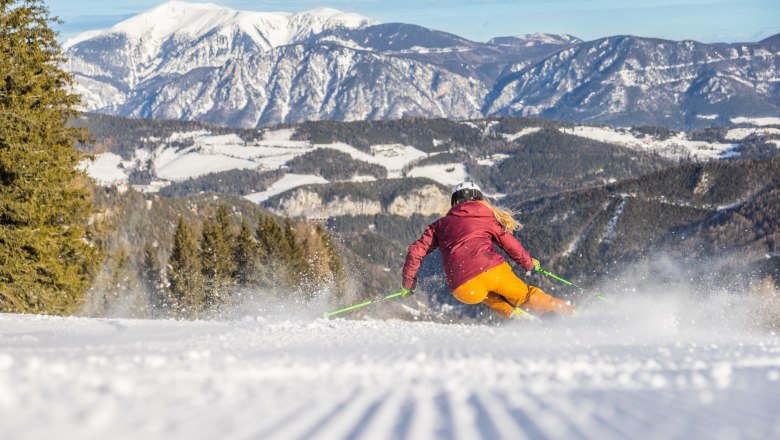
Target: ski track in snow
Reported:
[(310, 378)]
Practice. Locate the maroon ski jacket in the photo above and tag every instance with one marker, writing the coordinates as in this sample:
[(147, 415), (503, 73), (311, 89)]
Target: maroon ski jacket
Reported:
[(465, 237)]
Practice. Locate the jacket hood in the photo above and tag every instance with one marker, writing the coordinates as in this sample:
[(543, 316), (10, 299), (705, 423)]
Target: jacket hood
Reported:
[(471, 208)]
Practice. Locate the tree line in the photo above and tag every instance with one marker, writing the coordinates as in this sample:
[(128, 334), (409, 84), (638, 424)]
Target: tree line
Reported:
[(237, 182), (334, 165), (428, 135), (212, 263), (123, 136)]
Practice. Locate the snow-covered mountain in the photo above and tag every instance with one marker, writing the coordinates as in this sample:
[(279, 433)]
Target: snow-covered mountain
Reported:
[(209, 63), (536, 39), (183, 22), (398, 38), (632, 80), (444, 52), (178, 40), (205, 62)]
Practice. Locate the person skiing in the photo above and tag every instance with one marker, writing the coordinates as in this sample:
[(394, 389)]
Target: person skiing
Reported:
[(475, 272)]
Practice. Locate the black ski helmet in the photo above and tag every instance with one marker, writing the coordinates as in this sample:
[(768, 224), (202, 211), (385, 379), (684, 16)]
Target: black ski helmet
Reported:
[(465, 191)]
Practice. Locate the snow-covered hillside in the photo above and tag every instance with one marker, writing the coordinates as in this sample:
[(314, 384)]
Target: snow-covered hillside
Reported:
[(214, 153), (211, 153), (654, 369), (757, 121), (676, 147)]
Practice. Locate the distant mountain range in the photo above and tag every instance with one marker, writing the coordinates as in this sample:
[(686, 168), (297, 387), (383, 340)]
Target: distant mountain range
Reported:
[(248, 69)]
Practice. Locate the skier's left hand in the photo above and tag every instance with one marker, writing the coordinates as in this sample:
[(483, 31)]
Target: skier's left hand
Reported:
[(537, 267), (404, 291)]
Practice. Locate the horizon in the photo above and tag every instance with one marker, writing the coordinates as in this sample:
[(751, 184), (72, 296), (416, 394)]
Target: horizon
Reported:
[(706, 21)]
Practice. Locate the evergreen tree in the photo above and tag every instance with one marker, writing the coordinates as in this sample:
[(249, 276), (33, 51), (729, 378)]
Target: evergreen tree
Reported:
[(125, 298), (225, 225), (216, 262), (119, 284), (116, 285), (315, 254), (117, 289), (270, 237), (152, 277), (297, 266), (335, 264), (322, 265), (274, 249), (47, 261), (184, 272), (246, 255)]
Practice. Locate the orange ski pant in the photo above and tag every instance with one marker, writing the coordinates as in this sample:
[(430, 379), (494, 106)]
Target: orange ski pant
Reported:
[(501, 290)]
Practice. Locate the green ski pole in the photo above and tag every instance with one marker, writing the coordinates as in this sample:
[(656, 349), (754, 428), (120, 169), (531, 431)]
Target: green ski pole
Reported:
[(569, 283), (327, 315)]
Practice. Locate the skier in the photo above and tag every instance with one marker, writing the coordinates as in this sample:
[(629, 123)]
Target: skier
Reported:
[(476, 273)]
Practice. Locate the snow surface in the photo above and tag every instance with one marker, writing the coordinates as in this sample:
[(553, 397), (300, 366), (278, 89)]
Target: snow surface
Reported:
[(493, 159), (769, 120), (214, 153), (105, 169), (543, 38), (192, 163), (446, 174), (286, 183), (649, 369), (738, 134), (675, 147), (521, 133)]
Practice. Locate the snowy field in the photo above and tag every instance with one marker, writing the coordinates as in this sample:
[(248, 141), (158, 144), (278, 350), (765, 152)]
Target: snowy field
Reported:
[(649, 370), (215, 153), (676, 147)]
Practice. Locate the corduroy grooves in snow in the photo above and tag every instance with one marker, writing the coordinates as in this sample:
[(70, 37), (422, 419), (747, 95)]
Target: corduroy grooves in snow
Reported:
[(649, 367)]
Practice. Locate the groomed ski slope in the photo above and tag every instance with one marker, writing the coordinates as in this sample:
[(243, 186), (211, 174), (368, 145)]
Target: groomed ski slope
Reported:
[(645, 370)]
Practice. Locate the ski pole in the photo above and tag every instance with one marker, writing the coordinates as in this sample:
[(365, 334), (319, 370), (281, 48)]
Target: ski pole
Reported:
[(525, 315), (569, 283), (327, 315)]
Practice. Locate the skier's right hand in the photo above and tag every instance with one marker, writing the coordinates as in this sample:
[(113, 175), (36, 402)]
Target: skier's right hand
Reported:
[(409, 283)]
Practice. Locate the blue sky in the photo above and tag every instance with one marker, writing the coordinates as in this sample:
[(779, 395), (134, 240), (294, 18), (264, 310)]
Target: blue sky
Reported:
[(702, 20)]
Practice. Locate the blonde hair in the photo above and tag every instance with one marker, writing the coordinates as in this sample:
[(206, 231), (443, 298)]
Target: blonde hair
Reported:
[(504, 216)]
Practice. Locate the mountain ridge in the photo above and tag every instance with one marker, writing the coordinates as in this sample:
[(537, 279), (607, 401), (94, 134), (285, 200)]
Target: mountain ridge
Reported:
[(250, 69)]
